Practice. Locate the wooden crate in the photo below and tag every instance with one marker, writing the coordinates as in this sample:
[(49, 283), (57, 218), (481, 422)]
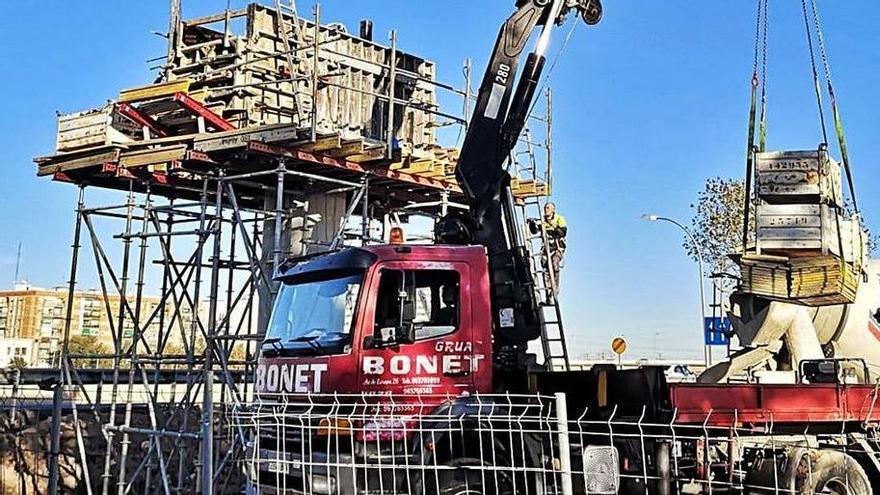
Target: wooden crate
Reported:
[(528, 188), (814, 281), (798, 177), (807, 230), (92, 128)]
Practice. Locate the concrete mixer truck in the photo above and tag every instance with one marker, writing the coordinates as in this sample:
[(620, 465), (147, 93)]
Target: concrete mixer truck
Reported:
[(777, 336)]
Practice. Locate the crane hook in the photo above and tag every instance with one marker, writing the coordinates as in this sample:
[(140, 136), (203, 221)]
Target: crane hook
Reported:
[(591, 11)]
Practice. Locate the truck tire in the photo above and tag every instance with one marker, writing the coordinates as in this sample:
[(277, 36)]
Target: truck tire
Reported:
[(457, 479), (831, 472), (466, 476)]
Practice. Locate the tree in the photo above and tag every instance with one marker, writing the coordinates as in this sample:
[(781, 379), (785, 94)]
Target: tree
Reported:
[(17, 363), (87, 345), (717, 224)]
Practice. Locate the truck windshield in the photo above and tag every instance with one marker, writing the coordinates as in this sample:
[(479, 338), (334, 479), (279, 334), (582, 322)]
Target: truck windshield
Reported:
[(314, 318)]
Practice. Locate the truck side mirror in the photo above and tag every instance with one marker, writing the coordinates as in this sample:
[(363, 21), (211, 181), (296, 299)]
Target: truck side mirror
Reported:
[(406, 330)]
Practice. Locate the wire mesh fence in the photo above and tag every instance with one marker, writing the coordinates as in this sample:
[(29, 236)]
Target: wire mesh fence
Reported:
[(530, 444), (486, 444)]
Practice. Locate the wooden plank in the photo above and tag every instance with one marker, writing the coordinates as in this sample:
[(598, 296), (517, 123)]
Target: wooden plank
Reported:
[(323, 143), (78, 162), (789, 209), (348, 148), (165, 167), (369, 155), (771, 161), (154, 91), (140, 158), (89, 118), (418, 166), (805, 233), (784, 245), (797, 173), (789, 189), (239, 138), (816, 281), (94, 134)]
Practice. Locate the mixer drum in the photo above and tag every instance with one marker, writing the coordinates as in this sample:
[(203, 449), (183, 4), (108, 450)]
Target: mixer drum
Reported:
[(846, 330)]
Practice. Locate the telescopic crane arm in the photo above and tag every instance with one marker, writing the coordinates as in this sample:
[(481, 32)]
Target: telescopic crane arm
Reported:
[(503, 104)]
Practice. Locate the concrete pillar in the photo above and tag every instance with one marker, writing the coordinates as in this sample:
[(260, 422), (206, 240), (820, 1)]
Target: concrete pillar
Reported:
[(325, 214), (310, 227)]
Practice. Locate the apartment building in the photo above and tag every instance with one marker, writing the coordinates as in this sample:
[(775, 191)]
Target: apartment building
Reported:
[(32, 321)]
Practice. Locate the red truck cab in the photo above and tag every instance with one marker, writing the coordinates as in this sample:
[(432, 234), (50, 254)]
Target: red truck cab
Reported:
[(401, 320)]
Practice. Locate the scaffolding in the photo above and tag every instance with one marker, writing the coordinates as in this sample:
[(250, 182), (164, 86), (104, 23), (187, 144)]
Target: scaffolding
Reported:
[(215, 200)]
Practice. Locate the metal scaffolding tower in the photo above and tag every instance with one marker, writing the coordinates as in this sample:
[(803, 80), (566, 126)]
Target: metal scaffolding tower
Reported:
[(204, 222)]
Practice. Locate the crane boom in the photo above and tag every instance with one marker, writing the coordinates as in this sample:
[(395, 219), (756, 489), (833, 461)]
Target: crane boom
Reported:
[(503, 104)]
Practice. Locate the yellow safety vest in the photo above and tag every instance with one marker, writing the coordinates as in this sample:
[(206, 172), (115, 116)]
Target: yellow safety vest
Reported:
[(555, 222), (557, 242)]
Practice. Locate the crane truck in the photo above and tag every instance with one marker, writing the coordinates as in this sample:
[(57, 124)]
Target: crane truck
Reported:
[(434, 326)]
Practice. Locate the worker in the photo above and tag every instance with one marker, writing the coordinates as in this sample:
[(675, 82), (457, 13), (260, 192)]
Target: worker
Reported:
[(555, 230)]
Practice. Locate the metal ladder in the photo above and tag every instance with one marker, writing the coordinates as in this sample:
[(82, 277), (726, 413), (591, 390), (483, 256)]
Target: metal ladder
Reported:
[(285, 31), (553, 343)]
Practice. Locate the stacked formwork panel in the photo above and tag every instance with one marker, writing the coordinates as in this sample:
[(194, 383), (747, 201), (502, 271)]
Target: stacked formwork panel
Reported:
[(807, 251), (247, 78)]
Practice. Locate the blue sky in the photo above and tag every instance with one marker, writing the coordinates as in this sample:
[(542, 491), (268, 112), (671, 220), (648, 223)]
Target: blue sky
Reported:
[(648, 105)]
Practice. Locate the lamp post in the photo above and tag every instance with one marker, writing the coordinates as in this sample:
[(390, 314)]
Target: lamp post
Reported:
[(707, 351)]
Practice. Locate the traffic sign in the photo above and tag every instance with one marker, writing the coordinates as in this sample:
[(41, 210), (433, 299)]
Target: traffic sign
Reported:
[(618, 345), (716, 330)]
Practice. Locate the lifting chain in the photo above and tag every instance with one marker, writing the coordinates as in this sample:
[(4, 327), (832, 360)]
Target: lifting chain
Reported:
[(762, 128), (758, 80), (838, 123), (817, 87)]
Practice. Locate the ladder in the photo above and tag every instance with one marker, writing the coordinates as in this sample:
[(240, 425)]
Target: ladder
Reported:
[(531, 206), (285, 31)]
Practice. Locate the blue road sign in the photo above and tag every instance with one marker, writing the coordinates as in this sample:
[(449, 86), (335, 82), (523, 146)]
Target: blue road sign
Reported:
[(716, 330)]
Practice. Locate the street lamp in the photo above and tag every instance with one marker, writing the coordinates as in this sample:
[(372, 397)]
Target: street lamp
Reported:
[(707, 352)]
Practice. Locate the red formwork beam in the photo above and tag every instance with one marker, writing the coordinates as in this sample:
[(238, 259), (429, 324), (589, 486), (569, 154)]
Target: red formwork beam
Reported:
[(199, 110), (343, 164), (762, 404), (140, 118)]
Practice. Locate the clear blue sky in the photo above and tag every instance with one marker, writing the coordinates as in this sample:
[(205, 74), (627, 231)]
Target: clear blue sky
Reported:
[(648, 105)]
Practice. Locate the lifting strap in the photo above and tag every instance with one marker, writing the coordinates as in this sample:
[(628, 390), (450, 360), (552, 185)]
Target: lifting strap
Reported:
[(835, 112), (758, 80), (838, 123)]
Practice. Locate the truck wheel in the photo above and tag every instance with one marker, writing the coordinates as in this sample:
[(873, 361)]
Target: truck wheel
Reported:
[(460, 481), (831, 472), (465, 476)]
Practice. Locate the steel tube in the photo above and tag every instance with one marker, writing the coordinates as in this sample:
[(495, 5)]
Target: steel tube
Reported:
[(564, 445), (208, 388), (392, 85), (279, 217)]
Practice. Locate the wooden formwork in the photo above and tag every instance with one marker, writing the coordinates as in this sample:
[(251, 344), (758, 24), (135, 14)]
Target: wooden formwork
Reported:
[(248, 78), (248, 81)]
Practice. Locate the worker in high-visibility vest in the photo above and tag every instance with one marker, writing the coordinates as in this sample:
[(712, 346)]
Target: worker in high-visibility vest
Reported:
[(555, 230)]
